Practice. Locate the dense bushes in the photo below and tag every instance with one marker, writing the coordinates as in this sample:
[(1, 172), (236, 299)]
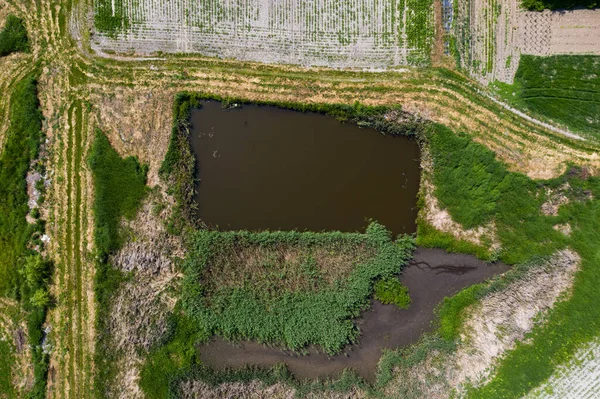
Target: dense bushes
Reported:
[(562, 88), (119, 185), (392, 291), (540, 5), (294, 319), (21, 147), (24, 274), (13, 37)]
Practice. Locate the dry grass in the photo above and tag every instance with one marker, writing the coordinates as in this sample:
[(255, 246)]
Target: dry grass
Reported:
[(286, 268), (492, 327)]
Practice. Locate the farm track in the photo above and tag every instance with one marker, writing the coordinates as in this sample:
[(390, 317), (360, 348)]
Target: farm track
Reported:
[(70, 75)]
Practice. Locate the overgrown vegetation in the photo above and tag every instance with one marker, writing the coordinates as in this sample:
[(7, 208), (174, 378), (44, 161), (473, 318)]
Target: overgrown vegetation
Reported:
[(119, 186), (562, 88), (311, 306), (20, 149), (294, 318), (392, 291), (573, 321), (477, 189), (24, 274), (6, 385), (13, 37)]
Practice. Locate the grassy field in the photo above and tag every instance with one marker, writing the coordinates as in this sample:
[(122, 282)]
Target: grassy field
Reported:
[(13, 37), (564, 89)]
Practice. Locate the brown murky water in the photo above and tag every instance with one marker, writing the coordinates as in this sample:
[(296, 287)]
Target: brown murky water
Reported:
[(432, 275), (263, 167)]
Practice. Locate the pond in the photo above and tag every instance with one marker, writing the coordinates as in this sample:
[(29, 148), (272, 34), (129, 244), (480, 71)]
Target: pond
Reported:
[(266, 168), (432, 275), (262, 167)]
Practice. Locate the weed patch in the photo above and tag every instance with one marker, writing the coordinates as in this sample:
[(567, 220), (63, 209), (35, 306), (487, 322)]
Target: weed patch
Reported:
[(13, 37)]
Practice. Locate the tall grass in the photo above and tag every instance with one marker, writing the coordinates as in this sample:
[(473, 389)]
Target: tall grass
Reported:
[(119, 187), (477, 189), (561, 88), (13, 37), (21, 147), (291, 318)]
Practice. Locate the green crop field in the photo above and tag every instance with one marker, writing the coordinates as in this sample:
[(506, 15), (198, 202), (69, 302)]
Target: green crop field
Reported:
[(564, 89)]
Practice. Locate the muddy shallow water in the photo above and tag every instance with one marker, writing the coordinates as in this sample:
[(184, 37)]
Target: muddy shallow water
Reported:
[(432, 275), (262, 167)]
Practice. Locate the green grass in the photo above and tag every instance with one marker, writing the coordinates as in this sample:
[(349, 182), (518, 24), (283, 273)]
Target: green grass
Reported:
[(21, 147), (392, 291), (477, 189), (13, 37), (119, 187), (6, 387), (571, 323), (564, 89)]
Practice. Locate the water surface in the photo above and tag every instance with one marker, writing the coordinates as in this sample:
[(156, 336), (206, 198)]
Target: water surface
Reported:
[(262, 167)]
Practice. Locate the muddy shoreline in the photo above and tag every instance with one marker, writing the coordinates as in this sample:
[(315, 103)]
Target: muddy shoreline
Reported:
[(432, 275)]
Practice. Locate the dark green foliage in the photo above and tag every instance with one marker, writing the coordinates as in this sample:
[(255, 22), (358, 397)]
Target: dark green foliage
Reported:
[(477, 189), (13, 37), (392, 291), (562, 88), (119, 186), (295, 319), (21, 147), (540, 5), (22, 272)]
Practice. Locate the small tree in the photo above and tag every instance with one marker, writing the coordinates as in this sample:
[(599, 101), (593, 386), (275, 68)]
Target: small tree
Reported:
[(41, 298)]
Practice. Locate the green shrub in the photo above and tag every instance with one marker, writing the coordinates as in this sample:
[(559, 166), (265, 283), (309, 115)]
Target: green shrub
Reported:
[(119, 186), (20, 148), (13, 37), (540, 5), (392, 291)]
